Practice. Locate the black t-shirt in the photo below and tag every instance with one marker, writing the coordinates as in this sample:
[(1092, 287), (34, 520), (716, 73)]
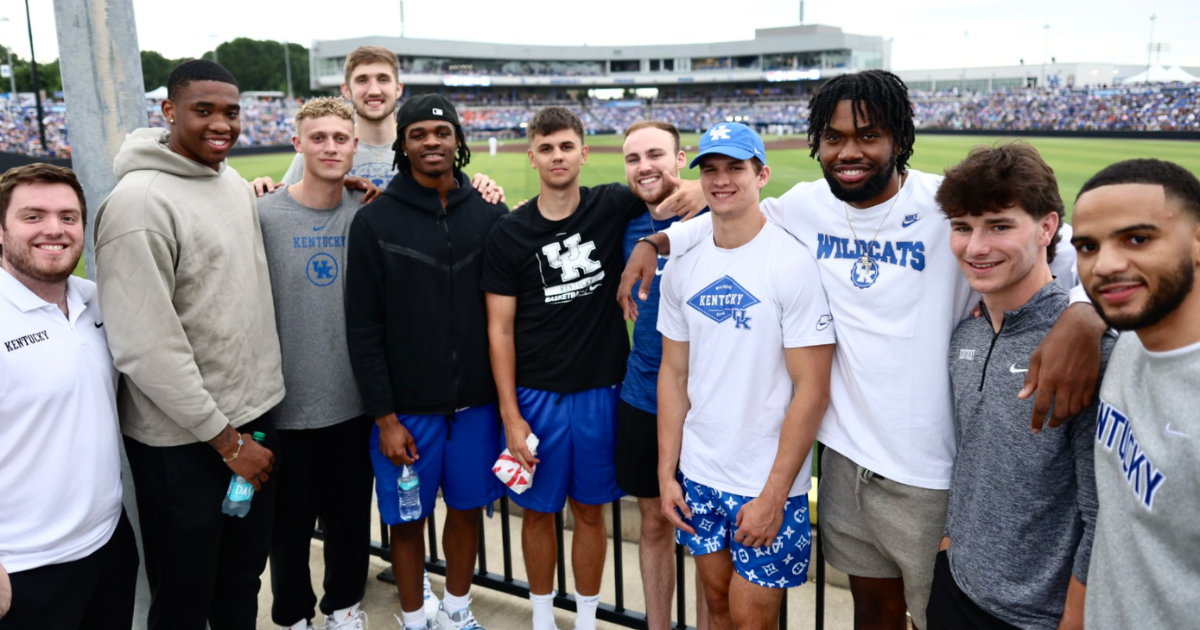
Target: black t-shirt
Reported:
[(569, 332)]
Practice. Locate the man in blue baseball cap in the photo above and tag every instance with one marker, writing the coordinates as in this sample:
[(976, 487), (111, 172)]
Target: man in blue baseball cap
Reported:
[(747, 353)]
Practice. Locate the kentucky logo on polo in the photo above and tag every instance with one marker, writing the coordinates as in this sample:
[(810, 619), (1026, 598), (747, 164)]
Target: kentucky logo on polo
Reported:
[(724, 299), (580, 274)]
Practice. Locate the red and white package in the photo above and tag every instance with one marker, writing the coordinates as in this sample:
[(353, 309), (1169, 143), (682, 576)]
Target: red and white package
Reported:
[(510, 471)]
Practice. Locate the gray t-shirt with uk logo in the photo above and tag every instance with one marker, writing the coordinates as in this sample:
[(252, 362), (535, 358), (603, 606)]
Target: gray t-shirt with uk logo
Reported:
[(306, 255)]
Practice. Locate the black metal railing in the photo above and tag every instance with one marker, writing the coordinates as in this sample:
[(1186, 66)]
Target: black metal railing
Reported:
[(614, 612)]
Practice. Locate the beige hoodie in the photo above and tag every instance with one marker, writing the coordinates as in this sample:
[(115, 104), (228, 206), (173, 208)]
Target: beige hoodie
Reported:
[(184, 288)]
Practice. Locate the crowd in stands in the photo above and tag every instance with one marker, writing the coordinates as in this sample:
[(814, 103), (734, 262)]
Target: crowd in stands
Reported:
[(1138, 108)]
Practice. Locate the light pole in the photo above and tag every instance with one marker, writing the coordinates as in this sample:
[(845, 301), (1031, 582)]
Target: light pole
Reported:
[(287, 65), (1150, 47), (37, 95), (216, 38), (1045, 53)]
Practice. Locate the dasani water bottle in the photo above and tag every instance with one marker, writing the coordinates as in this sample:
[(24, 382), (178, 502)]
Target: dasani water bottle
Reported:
[(237, 498), (409, 487)]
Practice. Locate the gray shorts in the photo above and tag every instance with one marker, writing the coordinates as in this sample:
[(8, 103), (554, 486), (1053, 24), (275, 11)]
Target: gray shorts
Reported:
[(878, 528)]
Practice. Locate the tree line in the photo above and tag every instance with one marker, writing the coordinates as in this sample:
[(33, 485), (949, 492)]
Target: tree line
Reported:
[(257, 64)]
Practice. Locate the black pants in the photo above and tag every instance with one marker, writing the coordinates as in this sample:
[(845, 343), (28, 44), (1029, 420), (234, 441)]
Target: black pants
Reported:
[(92, 593), (202, 565), (322, 473), (951, 609)]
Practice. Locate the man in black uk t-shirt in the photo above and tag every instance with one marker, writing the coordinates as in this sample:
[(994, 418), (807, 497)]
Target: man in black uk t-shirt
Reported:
[(559, 347)]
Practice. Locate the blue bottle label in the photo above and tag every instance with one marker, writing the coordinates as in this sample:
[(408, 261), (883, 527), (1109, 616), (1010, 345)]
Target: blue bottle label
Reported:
[(240, 490), (405, 486)]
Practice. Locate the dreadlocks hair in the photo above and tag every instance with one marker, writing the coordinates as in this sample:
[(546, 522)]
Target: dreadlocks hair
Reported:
[(462, 156), (196, 70), (884, 98)]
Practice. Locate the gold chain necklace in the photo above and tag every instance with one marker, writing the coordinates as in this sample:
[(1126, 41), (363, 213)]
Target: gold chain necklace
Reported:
[(867, 265)]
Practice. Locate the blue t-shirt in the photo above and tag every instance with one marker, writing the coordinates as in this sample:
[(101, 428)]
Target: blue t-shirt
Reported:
[(641, 377)]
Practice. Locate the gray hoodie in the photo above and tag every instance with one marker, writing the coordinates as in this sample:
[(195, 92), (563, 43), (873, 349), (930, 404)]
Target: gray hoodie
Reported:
[(1022, 506), (184, 287)]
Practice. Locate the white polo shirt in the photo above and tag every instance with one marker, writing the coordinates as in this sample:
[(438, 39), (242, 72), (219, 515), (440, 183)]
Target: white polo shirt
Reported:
[(60, 467)]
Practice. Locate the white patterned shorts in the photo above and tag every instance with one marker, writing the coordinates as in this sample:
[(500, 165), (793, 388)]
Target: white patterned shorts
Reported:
[(782, 564)]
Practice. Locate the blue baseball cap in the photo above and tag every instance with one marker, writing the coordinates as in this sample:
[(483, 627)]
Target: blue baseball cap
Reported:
[(733, 139)]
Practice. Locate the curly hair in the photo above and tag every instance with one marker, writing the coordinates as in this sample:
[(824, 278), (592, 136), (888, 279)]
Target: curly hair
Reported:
[(879, 93)]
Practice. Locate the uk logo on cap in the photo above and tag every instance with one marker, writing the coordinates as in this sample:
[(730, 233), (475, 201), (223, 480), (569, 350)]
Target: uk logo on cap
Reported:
[(734, 140), (437, 112)]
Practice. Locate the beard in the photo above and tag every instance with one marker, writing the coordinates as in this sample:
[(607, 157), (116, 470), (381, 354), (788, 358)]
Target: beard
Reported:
[(1172, 291), (869, 189), (19, 258), (663, 193)]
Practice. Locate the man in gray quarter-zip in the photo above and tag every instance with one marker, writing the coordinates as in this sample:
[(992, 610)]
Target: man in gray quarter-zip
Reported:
[(1007, 481), (1139, 250)]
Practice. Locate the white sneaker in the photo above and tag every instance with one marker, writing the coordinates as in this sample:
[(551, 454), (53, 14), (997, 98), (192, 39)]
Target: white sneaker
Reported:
[(357, 621), (428, 623), (460, 620), (431, 604)]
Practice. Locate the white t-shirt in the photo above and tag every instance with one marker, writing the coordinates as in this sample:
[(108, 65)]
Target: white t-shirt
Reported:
[(60, 466), (738, 309), (891, 408)]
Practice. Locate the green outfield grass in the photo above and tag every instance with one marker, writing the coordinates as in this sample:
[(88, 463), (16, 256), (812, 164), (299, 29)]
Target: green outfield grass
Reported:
[(1073, 160)]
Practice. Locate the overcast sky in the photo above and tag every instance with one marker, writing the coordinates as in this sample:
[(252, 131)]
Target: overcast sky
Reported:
[(927, 33)]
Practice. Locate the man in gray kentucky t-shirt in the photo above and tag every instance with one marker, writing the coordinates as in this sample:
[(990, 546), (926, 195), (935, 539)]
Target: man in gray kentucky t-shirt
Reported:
[(325, 473), (306, 254)]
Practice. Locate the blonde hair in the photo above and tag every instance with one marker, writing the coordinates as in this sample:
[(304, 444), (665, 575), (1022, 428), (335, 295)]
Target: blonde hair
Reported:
[(370, 54), (322, 106)]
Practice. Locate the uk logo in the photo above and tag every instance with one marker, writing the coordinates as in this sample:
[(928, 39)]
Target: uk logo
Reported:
[(322, 269), (720, 132), (724, 299), (576, 261), (864, 272)]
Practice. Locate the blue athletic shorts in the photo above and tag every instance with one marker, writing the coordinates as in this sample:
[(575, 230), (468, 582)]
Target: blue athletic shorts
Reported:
[(783, 564), (577, 438), (455, 453)]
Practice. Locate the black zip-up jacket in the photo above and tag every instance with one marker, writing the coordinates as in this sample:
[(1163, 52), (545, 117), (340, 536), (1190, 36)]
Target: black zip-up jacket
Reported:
[(416, 321)]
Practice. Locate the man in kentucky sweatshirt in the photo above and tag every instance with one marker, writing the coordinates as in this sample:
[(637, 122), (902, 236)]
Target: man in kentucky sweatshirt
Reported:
[(184, 287), (1009, 480)]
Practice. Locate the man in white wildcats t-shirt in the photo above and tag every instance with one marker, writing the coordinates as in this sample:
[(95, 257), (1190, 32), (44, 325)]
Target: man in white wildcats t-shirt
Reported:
[(895, 291), (744, 381)]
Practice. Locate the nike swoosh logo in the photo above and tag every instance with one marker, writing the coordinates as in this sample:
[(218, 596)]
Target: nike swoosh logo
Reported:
[(908, 222), (1014, 370), (99, 324), (1170, 433), (318, 228)]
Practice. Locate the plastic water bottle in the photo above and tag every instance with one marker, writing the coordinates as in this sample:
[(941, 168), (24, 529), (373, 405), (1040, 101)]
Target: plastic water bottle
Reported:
[(409, 487), (237, 498)]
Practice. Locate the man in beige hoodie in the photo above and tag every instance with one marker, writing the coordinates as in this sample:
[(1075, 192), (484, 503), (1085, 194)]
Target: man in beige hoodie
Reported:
[(183, 282)]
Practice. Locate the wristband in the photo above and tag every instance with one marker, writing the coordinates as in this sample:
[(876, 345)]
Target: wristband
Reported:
[(646, 239), (235, 453)]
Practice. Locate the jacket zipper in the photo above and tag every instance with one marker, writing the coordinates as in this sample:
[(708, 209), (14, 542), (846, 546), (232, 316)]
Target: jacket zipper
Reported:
[(444, 221), (988, 360)]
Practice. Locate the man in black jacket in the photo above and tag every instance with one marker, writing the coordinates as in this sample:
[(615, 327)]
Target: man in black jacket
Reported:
[(417, 331)]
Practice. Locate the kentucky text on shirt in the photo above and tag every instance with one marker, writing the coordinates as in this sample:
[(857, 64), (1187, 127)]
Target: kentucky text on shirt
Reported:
[(1140, 473), (21, 342)]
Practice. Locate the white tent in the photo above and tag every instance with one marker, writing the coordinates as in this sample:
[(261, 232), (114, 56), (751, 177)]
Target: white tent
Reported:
[(1162, 74), (158, 93)]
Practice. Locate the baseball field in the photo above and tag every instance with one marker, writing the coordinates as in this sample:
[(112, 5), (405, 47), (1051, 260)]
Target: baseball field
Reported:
[(1073, 160)]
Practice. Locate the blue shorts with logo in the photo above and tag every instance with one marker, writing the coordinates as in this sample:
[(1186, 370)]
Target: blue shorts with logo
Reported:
[(577, 436), (782, 564), (455, 453)]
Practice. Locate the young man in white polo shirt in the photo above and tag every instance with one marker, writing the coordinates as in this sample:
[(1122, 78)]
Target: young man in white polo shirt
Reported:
[(65, 542), (744, 382)]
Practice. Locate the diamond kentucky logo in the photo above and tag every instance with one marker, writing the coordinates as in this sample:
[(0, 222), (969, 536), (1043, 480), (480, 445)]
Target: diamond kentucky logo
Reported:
[(724, 299)]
